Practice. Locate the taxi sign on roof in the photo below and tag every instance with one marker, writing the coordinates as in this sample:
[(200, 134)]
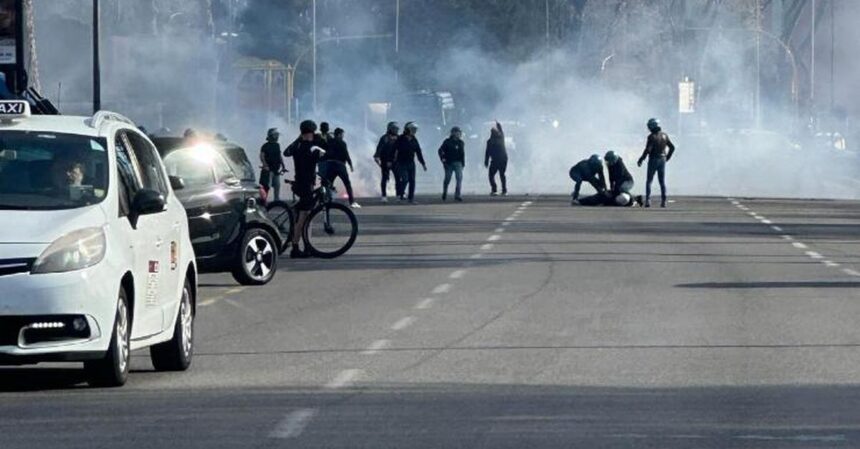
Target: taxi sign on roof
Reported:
[(12, 109)]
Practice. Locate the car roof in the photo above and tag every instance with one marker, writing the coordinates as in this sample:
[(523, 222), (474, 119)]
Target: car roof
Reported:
[(53, 123)]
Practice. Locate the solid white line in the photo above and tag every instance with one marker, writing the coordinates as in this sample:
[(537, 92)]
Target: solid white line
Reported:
[(425, 304), (345, 378), (799, 245), (831, 263), (376, 346), (402, 323), (851, 272), (293, 425), (457, 274), (486, 247), (476, 256), (814, 255), (493, 238), (776, 228), (443, 288)]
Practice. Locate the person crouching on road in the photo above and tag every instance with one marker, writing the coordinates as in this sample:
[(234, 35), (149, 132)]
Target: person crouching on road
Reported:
[(306, 154), (620, 181), (384, 157), (587, 170), (335, 161), (496, 159), (273, 164), (452, 153), (406, 150), (655, 151)]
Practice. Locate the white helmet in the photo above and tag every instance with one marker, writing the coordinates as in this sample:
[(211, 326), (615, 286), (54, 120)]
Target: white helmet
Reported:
[(623, 199)]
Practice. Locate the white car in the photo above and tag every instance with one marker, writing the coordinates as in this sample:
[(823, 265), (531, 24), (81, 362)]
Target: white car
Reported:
[(95, 256)]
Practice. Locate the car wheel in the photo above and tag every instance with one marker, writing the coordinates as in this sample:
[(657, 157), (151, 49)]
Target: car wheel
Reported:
[(257, 259), (176, 354), (112, 370)]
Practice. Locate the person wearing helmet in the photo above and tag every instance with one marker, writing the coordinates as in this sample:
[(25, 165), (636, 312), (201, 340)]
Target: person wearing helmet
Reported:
[(272, 163), (496, 159), (452, 153), (384, 156), (620, 180), (335, 162), (306, 154), (406, 149), (587, 170), (655, 151)]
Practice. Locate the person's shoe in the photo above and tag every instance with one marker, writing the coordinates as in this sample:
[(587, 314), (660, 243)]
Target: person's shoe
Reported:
[(444, 197), (384, 199), (494, 194), (355, 205), (647, 203), (663, 204), (296, 253), (401, 198), (505, 193), (459, 199), (413, 202)]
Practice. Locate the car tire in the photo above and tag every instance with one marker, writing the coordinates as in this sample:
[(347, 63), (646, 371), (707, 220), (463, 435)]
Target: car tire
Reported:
[(176, 353), (112, 369), (257, 258)]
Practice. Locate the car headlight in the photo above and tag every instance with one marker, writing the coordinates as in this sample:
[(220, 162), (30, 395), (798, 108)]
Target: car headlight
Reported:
[(74, 251)]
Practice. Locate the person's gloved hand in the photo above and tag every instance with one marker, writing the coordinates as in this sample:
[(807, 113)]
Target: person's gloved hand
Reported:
[(668, 158), (424, 166), (639, 163)]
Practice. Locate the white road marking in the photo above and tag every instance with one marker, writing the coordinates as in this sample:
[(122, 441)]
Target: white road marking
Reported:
[(767, 222), (528, 203), (457, 274), (831, 263), (787, 237), (235, 290), (736, 203), (506, 223), (426, 303), (236, 304), (799, 245), (814, 255), (208, 302), (499, 230), (345, 378), (376, 346), (851, 272), (776, 228), (476, 256), (293, 425), (511, 218), (493, 238), (743, 208), (486, 247), (403, 323), (443, 288)]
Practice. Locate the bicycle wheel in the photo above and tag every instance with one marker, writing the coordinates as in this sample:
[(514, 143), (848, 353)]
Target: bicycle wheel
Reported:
[(283, 216), (330, 230)]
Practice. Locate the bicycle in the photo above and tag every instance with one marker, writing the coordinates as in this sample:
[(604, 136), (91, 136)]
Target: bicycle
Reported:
[(330, 229)]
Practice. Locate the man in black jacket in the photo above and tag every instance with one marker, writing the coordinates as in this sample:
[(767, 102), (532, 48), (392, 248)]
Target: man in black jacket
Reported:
[(406, 150), (273, 164), (620, 181), (496, 159), (655, 151), (335, 161), (306, 154), (384, 157), (452, 153), (587, 170)]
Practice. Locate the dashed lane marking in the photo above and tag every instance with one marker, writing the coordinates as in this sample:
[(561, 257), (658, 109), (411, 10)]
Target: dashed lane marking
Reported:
[(425, 303), (294, 423), (486, 247), (831, 264), (457, 274), (506, 223), (376, 346), (345, 378), (766, 221), (776, 228), (787, 237), (476, 256), (494, 238), (511, 218), (799, 245), (851, 272), (403, 323), (443, 288), (814, 255), (499, 230), (209, 301), (235, 290)]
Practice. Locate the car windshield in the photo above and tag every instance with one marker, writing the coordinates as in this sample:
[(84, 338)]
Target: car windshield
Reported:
[(239, 163), (193, 165), (47, 171)]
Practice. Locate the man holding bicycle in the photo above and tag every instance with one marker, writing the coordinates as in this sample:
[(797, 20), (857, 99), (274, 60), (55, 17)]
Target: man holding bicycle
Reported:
[(306, 153)]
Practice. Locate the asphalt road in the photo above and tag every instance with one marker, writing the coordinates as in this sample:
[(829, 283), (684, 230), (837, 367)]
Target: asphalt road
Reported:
[(507, 323)]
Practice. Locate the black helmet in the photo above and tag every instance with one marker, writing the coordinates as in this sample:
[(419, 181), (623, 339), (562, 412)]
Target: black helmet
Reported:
[(611, 158), (456, 130), (411, 127), (595, 159), (393, 128), (338, 131), (324, 127), (308, 126), (272, 134), (654, 125)]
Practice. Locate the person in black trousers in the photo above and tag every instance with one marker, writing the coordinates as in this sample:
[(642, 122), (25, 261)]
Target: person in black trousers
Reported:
[(406, 150), (496, 159), (335, 161), (384, 157), (452, 153)]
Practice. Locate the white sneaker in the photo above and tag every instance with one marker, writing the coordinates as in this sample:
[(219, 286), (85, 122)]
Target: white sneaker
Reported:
[(384, 199), (355, 205)]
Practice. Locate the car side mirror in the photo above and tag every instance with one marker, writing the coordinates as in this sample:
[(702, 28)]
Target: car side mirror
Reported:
[(146, 202), (176, 182)]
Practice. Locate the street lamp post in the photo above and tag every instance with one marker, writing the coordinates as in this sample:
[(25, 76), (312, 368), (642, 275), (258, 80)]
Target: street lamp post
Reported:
[(314, 45), (97, 81)]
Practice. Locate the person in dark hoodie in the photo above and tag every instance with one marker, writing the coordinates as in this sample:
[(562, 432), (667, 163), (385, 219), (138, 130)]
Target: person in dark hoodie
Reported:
[(384, 157), (335, 161), (452, 153), (655, 150), (587, 170), (406, 150), (620, 181), (272, 163), (496, 159)]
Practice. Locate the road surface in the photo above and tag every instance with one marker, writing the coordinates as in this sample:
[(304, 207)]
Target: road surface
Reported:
[(507, 323)]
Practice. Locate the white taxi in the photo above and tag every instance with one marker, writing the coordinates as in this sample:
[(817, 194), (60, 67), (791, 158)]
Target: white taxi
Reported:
[(95, 256)]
